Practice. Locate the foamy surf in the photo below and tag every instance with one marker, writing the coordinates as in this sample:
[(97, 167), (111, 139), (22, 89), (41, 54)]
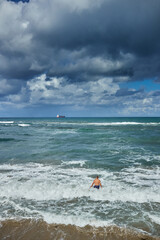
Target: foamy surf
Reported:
[(42, 182), (61, 195)]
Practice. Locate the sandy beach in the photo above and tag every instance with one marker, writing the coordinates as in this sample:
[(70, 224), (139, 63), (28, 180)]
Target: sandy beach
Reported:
[(40, 230)]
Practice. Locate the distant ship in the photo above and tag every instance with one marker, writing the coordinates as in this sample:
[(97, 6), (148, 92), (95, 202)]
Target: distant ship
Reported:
[(60, 116)]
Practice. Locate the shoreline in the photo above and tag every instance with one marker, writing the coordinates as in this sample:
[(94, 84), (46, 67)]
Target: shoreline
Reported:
[(33, 229)]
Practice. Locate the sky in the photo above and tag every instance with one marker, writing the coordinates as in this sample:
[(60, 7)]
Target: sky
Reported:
[(83, 58)]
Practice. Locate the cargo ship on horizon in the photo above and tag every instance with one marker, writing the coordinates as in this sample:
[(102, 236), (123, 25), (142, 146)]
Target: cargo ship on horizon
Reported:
[(60, 116)]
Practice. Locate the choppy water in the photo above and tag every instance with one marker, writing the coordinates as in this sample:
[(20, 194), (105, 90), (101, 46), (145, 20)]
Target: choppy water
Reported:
[(47, 166)]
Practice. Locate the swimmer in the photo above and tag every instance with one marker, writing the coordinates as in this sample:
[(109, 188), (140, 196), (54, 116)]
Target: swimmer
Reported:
[(96, 183)]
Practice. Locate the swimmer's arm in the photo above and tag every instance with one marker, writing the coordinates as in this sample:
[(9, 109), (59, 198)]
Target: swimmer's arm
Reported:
[(100, 184), (92, 184)]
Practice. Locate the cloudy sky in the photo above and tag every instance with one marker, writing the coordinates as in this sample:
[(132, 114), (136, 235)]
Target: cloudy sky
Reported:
[(79, 58)]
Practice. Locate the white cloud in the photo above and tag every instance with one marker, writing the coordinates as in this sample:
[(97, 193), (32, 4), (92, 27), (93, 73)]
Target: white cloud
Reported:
[(101, 93), (60, 91), (147, 101)]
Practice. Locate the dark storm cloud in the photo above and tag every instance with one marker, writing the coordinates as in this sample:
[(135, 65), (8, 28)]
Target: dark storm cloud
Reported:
[(110, 30), (9, 88), (128, 26)]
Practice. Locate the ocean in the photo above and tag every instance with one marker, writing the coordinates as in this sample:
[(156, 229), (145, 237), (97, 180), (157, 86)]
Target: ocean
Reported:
[(47, 166)]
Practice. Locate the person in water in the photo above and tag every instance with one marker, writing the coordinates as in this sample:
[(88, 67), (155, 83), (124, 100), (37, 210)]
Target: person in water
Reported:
[(96, 183)]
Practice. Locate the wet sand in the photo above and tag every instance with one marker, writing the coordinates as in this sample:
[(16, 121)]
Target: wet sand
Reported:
[(40, 230)]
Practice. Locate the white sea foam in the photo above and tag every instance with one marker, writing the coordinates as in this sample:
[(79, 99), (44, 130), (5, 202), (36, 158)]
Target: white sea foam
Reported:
[(105, 123), (121, 123), (75, 220), (142, 177), (154, 218), (79, 162), (23, 125), (6, 122), (47, 185), (42, 182)]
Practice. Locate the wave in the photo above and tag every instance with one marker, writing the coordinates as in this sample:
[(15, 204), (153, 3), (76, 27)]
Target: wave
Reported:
[(79, 162), (6, 122), (6, 139), (39, 230), (123, 123), (23, 125), (61, 195), (105, 123), (122, 186)]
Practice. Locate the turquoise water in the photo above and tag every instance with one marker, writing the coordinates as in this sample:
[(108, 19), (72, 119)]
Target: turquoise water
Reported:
[(47, 166)]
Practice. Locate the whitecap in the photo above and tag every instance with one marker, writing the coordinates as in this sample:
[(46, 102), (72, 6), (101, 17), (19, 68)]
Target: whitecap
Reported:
[(74, 220), (6, 122), (23, 125), (79, 162)]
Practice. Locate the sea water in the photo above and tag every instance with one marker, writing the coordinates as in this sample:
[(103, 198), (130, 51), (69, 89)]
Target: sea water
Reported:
[(47, 166)]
